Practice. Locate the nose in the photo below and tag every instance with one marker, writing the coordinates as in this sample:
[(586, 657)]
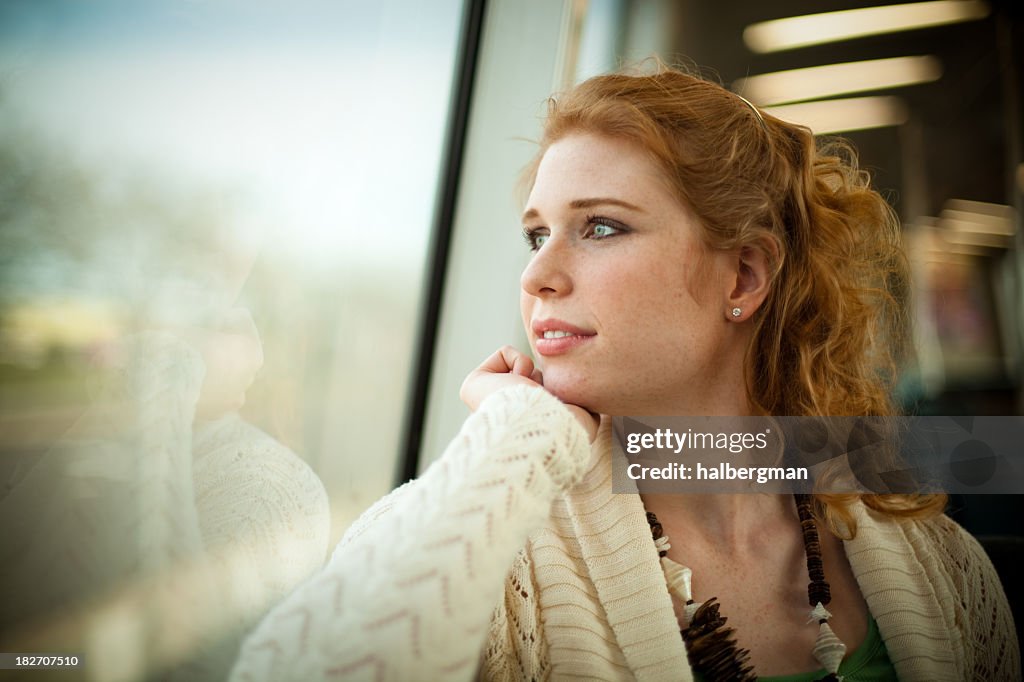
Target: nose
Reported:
[(549, 271)]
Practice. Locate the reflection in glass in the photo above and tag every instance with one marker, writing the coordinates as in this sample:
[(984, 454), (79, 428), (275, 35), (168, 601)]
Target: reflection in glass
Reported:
[(213, 223)]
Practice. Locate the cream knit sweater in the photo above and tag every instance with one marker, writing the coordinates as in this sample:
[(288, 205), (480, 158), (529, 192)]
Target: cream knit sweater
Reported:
[(410, 592)]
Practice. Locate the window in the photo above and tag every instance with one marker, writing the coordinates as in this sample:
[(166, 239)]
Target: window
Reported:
[(204, 204)]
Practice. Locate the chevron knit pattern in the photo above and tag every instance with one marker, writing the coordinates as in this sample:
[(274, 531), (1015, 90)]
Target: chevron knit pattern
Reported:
[(409, 592)]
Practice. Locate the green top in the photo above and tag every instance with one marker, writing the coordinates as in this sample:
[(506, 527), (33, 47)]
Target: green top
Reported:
[(869, 663)]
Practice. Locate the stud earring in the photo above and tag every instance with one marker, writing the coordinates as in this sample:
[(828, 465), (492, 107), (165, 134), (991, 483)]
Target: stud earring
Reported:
[(736, 312)]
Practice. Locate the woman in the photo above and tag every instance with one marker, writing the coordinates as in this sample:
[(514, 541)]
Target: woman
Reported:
[(691, 256)]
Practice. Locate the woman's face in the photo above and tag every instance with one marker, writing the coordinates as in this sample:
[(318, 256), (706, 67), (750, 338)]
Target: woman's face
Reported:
[(625, 310)]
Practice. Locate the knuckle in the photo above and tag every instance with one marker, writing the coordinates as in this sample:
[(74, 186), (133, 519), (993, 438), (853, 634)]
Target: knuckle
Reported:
[(466, 390)]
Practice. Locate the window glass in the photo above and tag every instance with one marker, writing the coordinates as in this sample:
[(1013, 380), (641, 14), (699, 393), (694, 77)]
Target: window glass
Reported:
[(214, 220)]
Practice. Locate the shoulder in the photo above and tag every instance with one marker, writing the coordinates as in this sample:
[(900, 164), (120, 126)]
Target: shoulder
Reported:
[(923, 536), (943, 583), (984, 613), (941, 541), (940, 546)]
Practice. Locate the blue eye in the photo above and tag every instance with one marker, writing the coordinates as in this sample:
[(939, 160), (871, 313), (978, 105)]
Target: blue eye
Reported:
[(535, 238), (602, 228)]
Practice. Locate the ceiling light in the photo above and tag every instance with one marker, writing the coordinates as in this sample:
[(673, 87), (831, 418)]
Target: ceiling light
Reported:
[(843, 115), (815, 29), (977, 223), (816, 82), (978, 216)]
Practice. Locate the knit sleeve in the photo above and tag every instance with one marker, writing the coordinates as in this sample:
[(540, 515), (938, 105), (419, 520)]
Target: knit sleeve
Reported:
[(983, 613), (515, 647), (409, 591)]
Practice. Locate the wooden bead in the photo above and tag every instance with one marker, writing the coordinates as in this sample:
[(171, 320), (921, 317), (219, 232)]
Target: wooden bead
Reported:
[(711, 647)]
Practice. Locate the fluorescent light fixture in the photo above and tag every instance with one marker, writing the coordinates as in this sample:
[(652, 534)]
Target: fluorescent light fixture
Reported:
[(968, 250), (954, 220), (843, 115), (817, 82), (976, 223), (979, 216), (815, 29)]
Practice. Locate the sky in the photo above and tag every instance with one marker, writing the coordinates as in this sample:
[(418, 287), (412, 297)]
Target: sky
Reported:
[(327, 117)]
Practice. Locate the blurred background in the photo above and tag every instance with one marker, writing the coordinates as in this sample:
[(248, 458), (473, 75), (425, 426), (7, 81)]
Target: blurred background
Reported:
[(249, 251)]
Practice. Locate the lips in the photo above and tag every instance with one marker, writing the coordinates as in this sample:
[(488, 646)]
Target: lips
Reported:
[(556, 337)]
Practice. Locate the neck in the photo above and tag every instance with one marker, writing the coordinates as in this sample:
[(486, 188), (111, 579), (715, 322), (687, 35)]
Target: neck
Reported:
[(732, 522), (723, 394)]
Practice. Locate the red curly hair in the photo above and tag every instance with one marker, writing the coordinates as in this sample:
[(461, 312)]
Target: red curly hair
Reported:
[(829, 337)]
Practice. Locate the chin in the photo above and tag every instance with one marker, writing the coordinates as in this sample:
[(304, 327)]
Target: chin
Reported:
[(573, 390)]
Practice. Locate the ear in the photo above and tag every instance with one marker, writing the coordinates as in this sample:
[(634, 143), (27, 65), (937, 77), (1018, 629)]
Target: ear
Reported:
[(755, 269)]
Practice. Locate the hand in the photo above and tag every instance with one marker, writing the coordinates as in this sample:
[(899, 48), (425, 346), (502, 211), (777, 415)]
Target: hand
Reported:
[(508, 367), (229, 347), (233, 354)]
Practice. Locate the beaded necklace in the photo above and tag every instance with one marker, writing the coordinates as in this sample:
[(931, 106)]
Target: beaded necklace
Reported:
[(711, 647)]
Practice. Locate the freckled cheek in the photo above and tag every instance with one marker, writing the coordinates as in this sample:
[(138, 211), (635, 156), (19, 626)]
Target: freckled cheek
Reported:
[(655, 331), (651, 298)]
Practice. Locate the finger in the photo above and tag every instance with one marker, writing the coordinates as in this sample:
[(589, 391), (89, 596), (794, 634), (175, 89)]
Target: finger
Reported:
[(514, 360), (522, 365), (502, 361), (495, 363), (537, 377)]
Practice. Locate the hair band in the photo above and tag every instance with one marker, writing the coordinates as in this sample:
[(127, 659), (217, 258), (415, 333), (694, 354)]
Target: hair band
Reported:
[(756, 111)]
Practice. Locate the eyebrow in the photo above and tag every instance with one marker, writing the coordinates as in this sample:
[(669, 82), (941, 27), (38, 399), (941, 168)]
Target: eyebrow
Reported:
[(588, 203)]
